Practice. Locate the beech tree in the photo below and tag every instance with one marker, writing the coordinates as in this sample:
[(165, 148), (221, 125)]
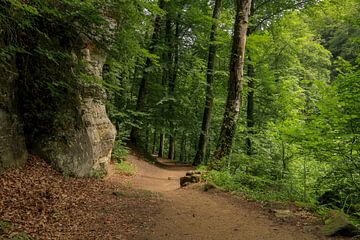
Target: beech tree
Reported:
[(209, 98), (141, 98), (235, 86)]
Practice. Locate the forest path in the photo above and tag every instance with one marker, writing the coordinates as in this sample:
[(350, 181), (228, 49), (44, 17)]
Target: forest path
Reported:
[(189, 213)]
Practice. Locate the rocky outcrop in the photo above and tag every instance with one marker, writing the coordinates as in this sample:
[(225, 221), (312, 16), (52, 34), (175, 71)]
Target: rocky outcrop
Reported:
[(63, 116), (84, 149), (12, 142)]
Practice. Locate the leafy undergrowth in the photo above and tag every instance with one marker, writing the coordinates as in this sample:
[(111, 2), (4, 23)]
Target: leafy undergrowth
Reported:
[(253, 186), (126, 168), (265, 191), (42, 203)]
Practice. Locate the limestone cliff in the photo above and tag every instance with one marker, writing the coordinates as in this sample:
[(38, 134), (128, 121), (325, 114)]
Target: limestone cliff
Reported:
[(84, 148), (68, 127)]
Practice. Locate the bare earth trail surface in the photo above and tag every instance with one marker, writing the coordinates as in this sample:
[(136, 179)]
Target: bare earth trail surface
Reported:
[(189, 213)]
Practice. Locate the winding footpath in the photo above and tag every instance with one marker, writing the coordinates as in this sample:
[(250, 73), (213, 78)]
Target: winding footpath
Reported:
[(191, 214)]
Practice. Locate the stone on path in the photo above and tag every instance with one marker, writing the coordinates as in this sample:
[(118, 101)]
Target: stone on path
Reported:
[(280, 213), (191, 177)]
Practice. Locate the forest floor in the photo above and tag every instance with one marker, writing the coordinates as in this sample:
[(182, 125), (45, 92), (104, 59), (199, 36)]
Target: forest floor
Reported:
[(148, 205), (191, 213)]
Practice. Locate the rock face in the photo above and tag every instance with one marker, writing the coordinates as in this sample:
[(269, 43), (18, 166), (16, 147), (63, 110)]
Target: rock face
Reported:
[(85, 149), (62, 115), (100, 131), (12, 142)]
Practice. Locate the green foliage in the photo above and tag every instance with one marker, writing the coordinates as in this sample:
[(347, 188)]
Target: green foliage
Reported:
[(126, 168), (5, 227), (97, 173), (254, 187), (120, 151), (305, 138), (21, 236)]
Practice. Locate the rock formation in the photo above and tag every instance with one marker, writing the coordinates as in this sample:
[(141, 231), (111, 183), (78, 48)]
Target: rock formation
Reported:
[(70, 128), (84, 149), (12, 142)]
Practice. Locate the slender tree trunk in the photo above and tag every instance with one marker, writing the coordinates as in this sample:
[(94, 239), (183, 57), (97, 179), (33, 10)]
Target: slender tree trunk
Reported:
[(147, 139), (250, 121), (183, 148), (172, 82), (283, 159), (250, 107), (171, 147), (204, 135), (171, 154), (133, 83), (135, 131), (154, 143), (161, 145), (233, 102)]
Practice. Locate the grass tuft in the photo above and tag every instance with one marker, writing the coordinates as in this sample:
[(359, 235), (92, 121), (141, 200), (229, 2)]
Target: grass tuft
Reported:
[(126, 168)]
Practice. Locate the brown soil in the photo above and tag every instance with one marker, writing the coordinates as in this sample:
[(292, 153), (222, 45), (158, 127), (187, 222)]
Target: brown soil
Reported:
[(190, 213)]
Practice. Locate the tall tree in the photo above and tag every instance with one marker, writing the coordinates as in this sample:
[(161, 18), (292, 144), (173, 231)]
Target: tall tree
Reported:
[(250, 106), (235, 86), (263, 12), (204, 135), (140, 104), (250, 96), (172, 83)]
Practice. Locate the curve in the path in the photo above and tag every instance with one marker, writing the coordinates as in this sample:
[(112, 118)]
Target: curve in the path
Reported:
[(154, 178), (190, 214)]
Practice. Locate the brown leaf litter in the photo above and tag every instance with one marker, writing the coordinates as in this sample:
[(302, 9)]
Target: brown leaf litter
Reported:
[(41, 202)]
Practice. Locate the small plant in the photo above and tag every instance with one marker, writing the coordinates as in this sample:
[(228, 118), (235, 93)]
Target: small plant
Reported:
[(5, 227), (98, 173), (126, 168), (120, 151), (22, 236), (129, 184), (119, 194), (208, 186)]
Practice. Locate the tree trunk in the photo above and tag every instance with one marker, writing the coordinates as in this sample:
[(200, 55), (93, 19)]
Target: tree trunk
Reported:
[(171, 154), (250, 107), (204, 135), (135, 131), (147, 139), (172, 82), (250, 97), (233, 102), (154, 143), (161, 145), (182, 156)]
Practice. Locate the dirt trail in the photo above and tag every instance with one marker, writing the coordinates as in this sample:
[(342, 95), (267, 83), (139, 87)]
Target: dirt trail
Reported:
[(190, 213), (153, 178)]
